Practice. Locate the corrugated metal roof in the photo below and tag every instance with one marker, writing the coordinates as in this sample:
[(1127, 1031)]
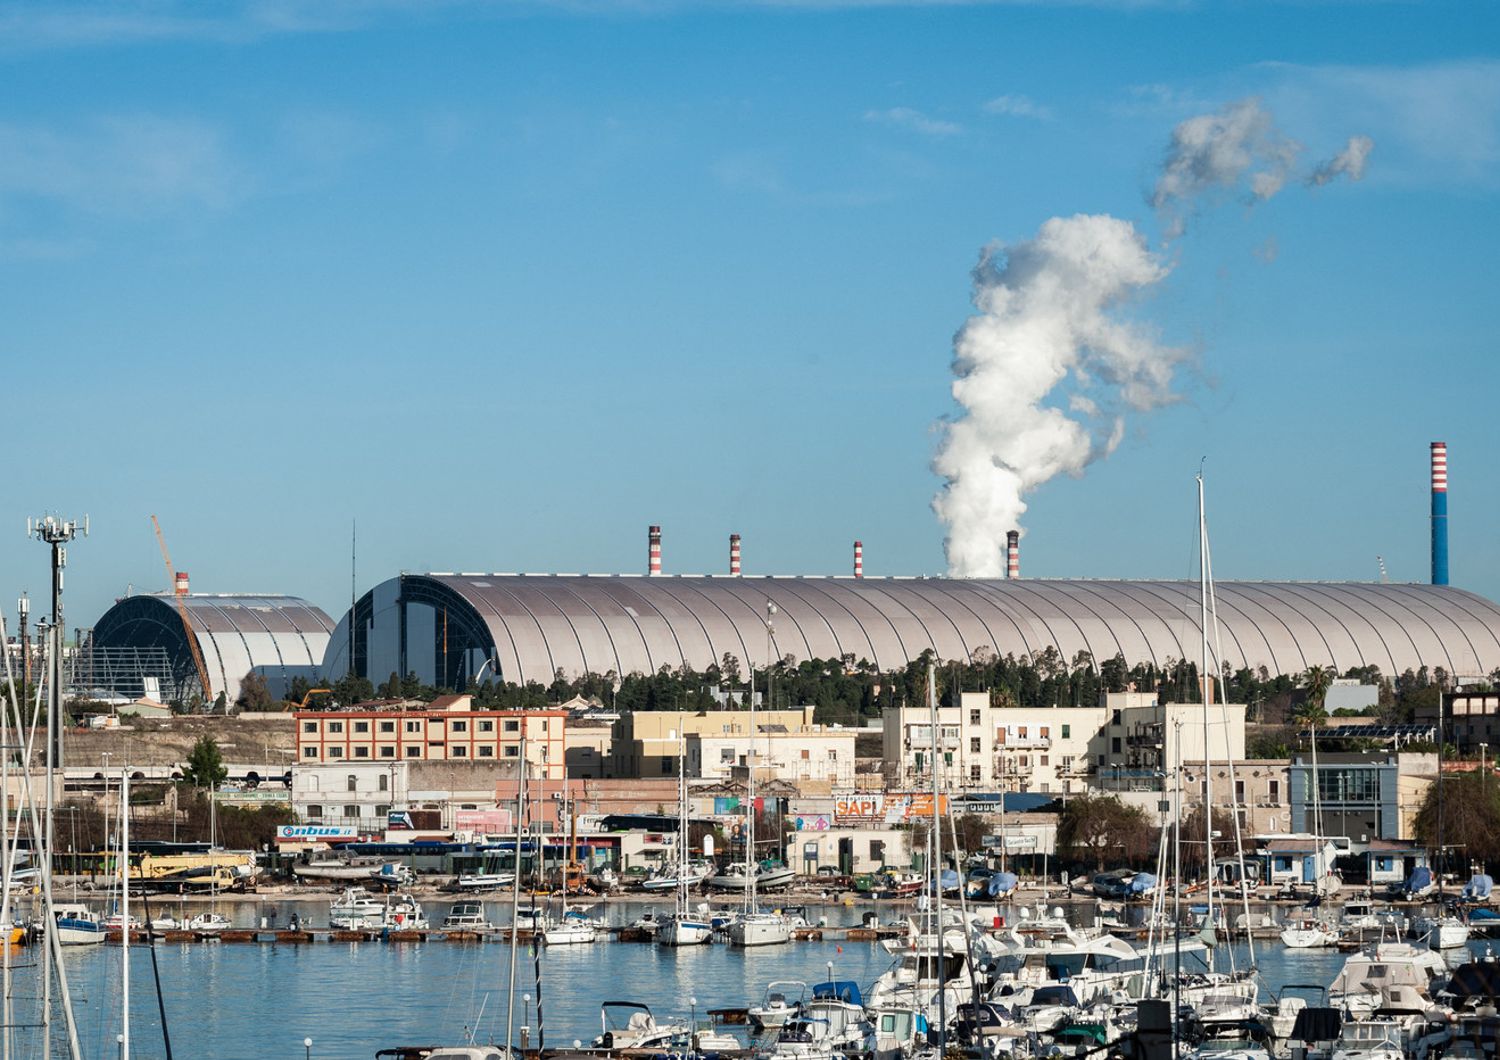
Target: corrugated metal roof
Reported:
[(278, 636), (543, 623)]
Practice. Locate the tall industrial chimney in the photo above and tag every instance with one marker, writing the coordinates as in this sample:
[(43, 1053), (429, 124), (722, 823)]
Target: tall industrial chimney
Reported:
[(1439, 513), (734, 555), (653, 552), (859, 559), (1012, 555), (180, 583)]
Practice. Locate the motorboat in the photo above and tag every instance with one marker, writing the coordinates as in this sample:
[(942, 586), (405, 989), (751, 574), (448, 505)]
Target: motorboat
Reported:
[(668, 879), (894, 1034), (209, 923), (355, 909), (466, 916), (1416, 886), (77, 924), (1441, 932), (783, 1000), (1390, 977), (116, 922), (630, 1025), (1362, 920), (768, 875), (759, 929), (1479, 888), (532, 918), (361, 869), (1308, 933), (831, 1024)]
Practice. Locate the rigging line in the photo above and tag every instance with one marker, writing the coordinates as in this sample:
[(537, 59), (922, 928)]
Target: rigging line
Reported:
[(161, 1002)]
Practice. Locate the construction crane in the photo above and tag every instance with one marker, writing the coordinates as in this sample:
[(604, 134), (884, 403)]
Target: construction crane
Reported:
[(1385, 579), (182, 611)]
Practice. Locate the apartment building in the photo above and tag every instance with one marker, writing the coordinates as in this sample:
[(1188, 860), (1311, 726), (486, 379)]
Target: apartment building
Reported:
[(468, 795), (449, 728), (1260, 790), (1043, 749), (818, 753), (1143, 741), (647, 743)]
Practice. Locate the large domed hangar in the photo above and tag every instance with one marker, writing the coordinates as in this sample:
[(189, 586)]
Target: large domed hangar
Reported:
[(448, 628), (140, 637)]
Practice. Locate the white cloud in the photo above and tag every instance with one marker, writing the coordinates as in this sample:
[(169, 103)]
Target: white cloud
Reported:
[(1349, 162), (122, 165), (1018, 107), (915, 120)]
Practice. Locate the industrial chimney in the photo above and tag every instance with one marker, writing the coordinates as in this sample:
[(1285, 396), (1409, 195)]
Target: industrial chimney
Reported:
[(653, 552), (1013, 555), (180, 583), (1439, 513), (734, 555), (859, 559)]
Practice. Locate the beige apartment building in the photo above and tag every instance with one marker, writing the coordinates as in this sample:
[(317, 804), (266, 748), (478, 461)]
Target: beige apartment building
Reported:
[(447, 729), (647, 743), (816, 754)]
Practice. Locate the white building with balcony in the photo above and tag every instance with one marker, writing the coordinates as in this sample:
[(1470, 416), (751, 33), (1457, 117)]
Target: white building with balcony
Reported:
[(816, 753)]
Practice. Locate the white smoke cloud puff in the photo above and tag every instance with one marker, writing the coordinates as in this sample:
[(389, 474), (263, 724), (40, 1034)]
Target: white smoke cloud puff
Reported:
[(1220, 151), (1048, 323), (1349, 162)]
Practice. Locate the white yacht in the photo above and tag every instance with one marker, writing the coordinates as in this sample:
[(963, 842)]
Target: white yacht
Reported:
[(1441, 932), (831, 1024), (77, 924), (1392, 976), (630, 1025), (783, 1000), (767, 876), (355, 909), (574, 929), (759, 929), (466, 916), (209, 923), (1308, 933)]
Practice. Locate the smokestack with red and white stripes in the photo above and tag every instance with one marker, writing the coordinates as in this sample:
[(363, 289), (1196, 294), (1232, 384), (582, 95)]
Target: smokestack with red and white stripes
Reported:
[(1013, 555), (1439, 513), (180, 583), (653, 552), (859, 559), (734, 555)]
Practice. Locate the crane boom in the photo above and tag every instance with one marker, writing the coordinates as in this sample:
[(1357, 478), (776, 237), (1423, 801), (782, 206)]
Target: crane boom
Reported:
[(182, 611)]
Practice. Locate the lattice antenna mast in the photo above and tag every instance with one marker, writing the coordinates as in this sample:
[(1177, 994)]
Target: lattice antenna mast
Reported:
[(182, 611)]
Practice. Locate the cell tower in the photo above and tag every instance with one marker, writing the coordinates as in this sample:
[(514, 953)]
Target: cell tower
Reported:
[(55, 533)]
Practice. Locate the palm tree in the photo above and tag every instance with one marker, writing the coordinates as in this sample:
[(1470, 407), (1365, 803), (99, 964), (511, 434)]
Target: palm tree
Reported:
[(1317, 680)]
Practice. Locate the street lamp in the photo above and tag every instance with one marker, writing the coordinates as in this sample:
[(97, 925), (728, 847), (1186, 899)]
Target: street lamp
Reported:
[(307, 1046)]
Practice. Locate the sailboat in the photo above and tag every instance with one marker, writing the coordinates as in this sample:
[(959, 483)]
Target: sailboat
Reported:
[(754, 927), (682, 927), (574, 928)]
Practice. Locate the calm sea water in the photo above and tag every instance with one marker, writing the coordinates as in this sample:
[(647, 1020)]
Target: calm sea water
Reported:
[(252, 1001)]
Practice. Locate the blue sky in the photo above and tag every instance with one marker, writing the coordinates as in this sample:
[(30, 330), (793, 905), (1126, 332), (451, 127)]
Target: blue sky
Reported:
[(506, 282)]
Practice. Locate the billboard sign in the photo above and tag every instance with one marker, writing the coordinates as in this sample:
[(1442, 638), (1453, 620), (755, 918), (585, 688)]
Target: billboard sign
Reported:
[(859, 808), (315, 833)]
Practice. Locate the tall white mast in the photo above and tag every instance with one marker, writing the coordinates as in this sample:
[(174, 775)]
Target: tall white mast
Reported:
[(1206, 691), (125, 914), (936, 832)]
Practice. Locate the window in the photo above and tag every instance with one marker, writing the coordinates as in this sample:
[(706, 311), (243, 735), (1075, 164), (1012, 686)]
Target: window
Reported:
[(388, 726), (413, 752), (974, 717), (414, 726), (459, 752), (833, 755), (382, 783), (1024, 762), (1021, 731), (335, 752), (806, 753), (1067, 763), (335, 726), (382, 810), (1045, 732), (1239, 792), (666, 763), (486, 752), (512, 751), (1043, 760), (1067, 731), (351, 783), (361, 752), (512, 725), (544, 753), (309, 752), (314, 810), (974, 775), (1114, 719), (387, 751), (309, 726), (361, 726), (460, 726), (973, 745), (1114, 745), (726, 756), (486, 726), (1273, 791), (351, 811)]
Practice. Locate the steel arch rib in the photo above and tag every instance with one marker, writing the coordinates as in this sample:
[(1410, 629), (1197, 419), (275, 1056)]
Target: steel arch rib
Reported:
[(942, 589), (1273, 606), (1459, 599), (763, 587), (559, 586), (1307, 592), (1414, 617), (805, 598), (500, 617), (1087, 601), (1233, 595), (917, 587), (734, 626)]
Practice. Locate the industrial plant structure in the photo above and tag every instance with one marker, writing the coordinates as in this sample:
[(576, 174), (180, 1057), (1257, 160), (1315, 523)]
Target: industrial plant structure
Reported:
[(278, 637)]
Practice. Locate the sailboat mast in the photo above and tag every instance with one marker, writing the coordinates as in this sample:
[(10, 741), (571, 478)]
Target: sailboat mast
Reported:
[(1206, 690), (936, 833), (682, 818), (125, 914), (515, 895)]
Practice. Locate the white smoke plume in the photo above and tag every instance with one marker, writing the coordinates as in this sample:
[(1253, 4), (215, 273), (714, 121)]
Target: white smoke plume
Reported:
[(1349, 162), (1237, 145), (1049, 333)]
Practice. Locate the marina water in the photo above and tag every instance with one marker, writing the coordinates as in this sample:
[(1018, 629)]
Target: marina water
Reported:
[(250, 1001)]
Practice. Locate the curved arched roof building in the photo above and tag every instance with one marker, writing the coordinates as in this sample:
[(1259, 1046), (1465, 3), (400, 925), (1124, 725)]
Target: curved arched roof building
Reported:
[(446, 627), (279, 637)]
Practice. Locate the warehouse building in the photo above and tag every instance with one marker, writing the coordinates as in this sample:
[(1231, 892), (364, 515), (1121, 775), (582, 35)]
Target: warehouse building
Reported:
[(451, 628)]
